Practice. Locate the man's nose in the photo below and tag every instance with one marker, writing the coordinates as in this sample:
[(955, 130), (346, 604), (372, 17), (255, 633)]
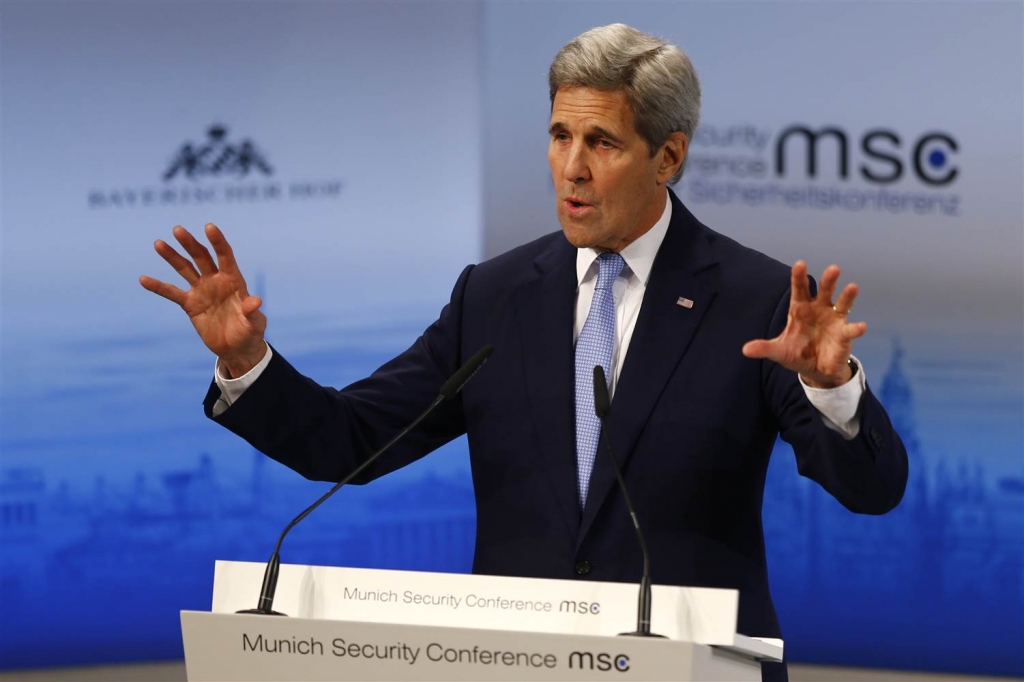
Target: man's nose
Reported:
[(577, 166)]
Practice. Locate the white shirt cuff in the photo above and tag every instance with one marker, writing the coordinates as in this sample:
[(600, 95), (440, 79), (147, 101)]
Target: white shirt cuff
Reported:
[(838, 406), (232, 389)]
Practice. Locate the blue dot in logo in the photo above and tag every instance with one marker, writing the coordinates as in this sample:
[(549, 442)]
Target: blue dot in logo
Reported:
[(937, 159), (622, 663)]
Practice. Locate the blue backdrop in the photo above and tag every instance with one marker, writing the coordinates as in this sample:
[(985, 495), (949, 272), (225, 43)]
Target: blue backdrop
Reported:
[(358, 156)]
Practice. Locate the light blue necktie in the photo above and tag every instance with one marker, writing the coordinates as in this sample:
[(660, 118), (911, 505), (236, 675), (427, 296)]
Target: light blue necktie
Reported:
[(594, 347)]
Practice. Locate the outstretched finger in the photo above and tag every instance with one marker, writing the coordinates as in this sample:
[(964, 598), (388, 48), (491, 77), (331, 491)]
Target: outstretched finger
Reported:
[(827, 286), (183, 266), (168, 291), (251, 305), (844, 304), (759, 348), (799, 285), (855, 330), (225, 254), (200, 254)]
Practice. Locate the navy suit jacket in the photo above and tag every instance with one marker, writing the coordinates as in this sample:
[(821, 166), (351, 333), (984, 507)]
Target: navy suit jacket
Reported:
[(693, 421)]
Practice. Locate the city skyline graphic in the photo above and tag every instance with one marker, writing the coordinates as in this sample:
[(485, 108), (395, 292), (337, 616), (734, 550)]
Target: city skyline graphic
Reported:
[(75, 545)]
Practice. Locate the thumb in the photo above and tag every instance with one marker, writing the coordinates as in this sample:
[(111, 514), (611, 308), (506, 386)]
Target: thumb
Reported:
[(757, 349), (251, 305)]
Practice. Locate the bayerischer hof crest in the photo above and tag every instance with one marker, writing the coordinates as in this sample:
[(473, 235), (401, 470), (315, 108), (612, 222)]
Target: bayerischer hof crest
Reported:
[(217, 170), (217, 157)]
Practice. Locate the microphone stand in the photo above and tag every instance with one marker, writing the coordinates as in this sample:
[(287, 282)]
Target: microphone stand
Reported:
[(602, 406), (265, 605)]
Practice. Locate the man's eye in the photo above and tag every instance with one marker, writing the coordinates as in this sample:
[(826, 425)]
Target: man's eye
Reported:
[(561, 137), (604, 144)]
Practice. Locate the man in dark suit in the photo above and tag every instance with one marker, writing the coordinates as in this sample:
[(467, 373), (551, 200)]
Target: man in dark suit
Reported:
[(634, 283)]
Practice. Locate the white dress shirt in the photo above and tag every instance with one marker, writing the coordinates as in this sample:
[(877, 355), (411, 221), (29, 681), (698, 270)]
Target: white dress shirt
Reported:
[(838, 406)]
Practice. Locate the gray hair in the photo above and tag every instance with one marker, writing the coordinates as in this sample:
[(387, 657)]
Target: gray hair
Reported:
[(659, 82)]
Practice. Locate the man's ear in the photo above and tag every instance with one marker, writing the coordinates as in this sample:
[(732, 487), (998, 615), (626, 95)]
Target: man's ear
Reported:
[(672, 153)]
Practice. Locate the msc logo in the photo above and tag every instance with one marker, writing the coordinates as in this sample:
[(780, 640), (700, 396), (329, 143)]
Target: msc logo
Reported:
[(584, 660), (583, 607), (885, 161), (217, 157)]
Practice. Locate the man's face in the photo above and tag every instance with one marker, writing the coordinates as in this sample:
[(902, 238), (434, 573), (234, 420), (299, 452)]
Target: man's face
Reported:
[(610, 189)]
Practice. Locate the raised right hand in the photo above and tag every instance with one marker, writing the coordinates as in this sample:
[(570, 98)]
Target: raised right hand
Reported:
[(226, 317)]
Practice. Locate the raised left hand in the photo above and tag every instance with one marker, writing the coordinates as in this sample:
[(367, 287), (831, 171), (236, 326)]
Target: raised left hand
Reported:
[(818, 338)]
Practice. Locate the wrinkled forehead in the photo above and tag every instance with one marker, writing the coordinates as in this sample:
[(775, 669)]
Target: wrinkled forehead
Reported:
[(581, 109)]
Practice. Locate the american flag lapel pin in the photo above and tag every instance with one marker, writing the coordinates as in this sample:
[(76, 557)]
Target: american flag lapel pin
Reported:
[(684, 302)]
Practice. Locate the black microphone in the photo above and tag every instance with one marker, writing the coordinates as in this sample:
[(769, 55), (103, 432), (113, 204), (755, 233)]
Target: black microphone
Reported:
[(602, 406), (265, 606)]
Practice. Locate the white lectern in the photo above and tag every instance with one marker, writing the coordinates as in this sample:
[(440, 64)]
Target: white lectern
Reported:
[(358, 624)]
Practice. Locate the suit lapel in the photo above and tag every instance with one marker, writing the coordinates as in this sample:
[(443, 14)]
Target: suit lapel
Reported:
[(545, 309), (664, 329)]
